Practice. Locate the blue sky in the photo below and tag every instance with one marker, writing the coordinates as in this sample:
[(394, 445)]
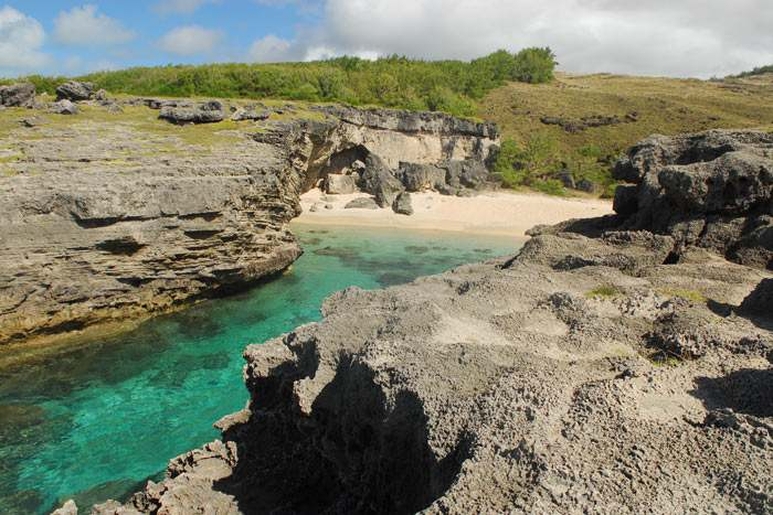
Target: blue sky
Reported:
[(695, 38)]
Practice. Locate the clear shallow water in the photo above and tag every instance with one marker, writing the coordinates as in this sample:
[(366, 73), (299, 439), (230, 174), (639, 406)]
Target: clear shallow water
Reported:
[(96, 421)]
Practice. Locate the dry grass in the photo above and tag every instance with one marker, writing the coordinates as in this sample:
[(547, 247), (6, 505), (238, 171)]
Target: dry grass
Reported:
[(663, 106)]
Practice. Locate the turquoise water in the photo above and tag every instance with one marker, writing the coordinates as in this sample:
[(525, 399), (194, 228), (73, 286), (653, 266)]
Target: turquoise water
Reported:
[(99, 419)]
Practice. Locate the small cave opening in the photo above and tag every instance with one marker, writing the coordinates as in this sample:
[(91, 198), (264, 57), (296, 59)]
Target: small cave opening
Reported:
[(339, 162)]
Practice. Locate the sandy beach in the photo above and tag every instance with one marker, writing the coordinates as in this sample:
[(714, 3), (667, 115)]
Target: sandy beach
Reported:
[(500, 212)]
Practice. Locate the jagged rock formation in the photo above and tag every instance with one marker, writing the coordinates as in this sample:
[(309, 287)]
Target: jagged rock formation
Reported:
[(589, 373), (17, 95), (711, 189), (102, 221)]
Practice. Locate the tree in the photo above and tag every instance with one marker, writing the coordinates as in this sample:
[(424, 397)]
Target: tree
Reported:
[(534, 65)]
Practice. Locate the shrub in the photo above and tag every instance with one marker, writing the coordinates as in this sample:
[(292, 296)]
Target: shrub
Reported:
[(534, 65)]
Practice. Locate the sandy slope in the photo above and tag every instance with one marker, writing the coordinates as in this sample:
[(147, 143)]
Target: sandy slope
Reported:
[(490, 213)]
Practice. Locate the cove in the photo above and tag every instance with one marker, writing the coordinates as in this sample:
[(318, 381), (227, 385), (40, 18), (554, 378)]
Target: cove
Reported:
[(95, 421)]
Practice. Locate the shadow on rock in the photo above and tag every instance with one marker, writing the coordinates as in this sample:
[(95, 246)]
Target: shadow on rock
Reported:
[(357, 452), (747, 391)]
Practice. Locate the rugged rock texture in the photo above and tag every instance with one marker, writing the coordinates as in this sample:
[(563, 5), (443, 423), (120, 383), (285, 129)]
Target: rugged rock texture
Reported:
[(75, 91), (711, 189), (17, 95), (207, 112), (402, 204), (104, 220), (590, 373)]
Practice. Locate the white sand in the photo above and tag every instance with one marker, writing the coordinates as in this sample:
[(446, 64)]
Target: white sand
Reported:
[(501, 212)]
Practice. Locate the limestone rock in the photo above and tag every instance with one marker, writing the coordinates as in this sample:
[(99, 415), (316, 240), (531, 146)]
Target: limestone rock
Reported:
[(242, 114), (420, 177), (207, 112), (713, 189), (68, 508), (337, 184), (378, 180), (402, 204), (75, 91), (362, 203), (17, 95), (64, 106)]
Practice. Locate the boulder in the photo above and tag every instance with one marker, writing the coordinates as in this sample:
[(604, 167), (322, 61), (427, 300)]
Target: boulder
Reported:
[(567, 179), (712, 189), (64, 106), (470, 173), (75, 91), (420, 177), (378, 180), (587, 186), (207, 112), (338, 184), (242, 114), (362, 203), (17, 95), (402, 204), (760, 301)]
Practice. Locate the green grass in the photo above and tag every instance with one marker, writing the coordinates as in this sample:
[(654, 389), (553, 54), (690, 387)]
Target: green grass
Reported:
[(694, 296), (451, 86), (603, 292)]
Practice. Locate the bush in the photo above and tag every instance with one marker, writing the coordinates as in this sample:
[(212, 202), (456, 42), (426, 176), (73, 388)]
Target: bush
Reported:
[(393, 81), (534, 65)]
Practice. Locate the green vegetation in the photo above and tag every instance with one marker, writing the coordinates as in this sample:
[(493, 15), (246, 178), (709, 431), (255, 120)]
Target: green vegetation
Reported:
[(450, 86), (555, 127), (603, 292), (690, 295), (534, 151), (760, 70)]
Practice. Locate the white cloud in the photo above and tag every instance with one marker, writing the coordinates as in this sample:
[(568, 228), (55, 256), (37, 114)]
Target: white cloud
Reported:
[(271, 49), (84, 26), (21, 40), (181, 6), (190, 40), (662, 37)]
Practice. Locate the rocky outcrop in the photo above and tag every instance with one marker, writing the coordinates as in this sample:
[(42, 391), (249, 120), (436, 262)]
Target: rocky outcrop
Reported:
[(103, 221), (17, 95), (588, 373), (712, 189), (402, 204), (75, 91), (207, 112)]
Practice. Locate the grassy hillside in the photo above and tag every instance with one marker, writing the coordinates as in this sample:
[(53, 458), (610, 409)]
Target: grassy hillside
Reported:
[(571, 127), (633, 107), (450, 86)]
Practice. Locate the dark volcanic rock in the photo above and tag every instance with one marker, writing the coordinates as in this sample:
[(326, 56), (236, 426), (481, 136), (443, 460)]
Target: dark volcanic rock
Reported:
[(207, 112), (17, 95), (75, 91)]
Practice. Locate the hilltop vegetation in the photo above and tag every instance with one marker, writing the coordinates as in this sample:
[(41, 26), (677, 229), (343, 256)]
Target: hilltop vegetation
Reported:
[(577, 125), (450, 86), (559, 130), (760, 70)]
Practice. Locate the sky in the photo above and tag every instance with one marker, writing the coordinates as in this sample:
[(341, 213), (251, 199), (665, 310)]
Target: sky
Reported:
[(684, 38)]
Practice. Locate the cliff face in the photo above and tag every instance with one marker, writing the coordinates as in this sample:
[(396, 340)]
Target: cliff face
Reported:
[(590, 373), (107, 216)]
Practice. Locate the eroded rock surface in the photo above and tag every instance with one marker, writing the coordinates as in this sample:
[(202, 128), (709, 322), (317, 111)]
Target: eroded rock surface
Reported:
[(711, 189), (102, 220), (589, 373)]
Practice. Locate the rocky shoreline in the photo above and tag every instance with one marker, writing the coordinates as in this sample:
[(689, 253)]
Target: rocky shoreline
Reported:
[(110, 213), (615, 365)]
